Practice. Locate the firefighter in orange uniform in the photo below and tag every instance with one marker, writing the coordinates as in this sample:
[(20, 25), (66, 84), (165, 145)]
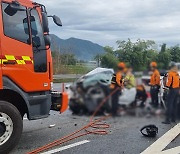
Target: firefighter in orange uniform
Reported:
[(117, 83), (155, 84), (173, 88)]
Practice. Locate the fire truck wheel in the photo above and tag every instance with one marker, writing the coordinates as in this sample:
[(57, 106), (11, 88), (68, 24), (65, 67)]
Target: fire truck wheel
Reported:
[(11, 126)]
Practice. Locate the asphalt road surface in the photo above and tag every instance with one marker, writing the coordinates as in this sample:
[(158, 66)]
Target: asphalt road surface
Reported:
[(123, 138)]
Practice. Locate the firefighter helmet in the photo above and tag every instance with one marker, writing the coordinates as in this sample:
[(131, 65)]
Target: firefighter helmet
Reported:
[(153, 64)]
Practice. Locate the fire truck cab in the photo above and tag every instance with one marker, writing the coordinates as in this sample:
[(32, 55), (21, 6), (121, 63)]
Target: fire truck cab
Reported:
[(26, 72)]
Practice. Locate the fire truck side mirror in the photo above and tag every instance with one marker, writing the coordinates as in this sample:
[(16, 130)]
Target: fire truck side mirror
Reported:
[(57, 20), (36, 41), (17, 6), (45, 22), (13, 7), (25, 23), (47, 40)]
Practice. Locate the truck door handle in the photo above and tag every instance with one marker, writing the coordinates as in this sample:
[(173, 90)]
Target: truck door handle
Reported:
[(9, 62)]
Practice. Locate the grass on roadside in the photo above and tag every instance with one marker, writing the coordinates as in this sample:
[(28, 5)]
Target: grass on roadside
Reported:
[(72, 69), (64, 80)]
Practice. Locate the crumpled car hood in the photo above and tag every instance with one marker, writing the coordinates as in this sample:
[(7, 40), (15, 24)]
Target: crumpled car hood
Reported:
[(99, 75)]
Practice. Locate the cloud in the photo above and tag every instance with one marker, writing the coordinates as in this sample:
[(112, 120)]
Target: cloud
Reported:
[(104, 22)]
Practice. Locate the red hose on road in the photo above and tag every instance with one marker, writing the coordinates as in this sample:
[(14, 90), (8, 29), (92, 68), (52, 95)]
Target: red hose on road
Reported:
[(93, 127)]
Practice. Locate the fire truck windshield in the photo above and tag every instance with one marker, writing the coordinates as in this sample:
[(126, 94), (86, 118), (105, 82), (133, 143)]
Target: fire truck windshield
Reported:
[(14, 27)]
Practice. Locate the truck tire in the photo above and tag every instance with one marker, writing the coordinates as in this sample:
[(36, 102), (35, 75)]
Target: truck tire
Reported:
[(11, 126)]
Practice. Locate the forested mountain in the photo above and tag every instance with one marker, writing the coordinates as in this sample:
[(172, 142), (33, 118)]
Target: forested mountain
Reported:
[(82, 49)]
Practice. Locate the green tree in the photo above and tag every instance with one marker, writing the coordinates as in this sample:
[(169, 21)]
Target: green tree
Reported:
[(140, 54), (109, 50), (137, 54), (68, 59), (164, 58), (151, 55), (163, 47), (98, 58), (109, 59), (175, 53)]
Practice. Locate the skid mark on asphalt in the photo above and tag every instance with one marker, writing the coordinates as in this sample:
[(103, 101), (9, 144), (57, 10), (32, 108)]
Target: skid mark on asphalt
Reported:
[(158, 146), (66, 147)]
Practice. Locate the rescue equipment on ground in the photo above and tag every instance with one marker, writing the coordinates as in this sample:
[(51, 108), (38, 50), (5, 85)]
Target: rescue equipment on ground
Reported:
[(95, 126)]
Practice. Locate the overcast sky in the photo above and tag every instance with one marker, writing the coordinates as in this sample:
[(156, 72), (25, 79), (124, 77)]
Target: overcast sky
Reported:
[(105, 21)]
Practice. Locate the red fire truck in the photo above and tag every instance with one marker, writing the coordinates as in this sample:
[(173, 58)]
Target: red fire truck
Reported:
[(26, 70)]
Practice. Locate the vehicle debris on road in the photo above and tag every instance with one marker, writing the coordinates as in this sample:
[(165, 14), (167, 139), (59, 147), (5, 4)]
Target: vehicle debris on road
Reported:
[(51, 126), (151, 131)]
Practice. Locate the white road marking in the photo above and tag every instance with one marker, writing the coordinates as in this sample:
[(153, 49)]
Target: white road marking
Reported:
[(25, 118), (66, 147), (159, 145), (175, 150)]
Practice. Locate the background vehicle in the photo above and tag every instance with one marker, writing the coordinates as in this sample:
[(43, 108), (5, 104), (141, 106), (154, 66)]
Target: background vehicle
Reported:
[(26, 68)]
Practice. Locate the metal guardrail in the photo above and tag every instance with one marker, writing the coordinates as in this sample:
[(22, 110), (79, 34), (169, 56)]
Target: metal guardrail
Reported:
[(67, 76)]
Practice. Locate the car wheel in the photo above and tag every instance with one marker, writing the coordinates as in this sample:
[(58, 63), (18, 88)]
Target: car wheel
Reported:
[(94, 96)]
